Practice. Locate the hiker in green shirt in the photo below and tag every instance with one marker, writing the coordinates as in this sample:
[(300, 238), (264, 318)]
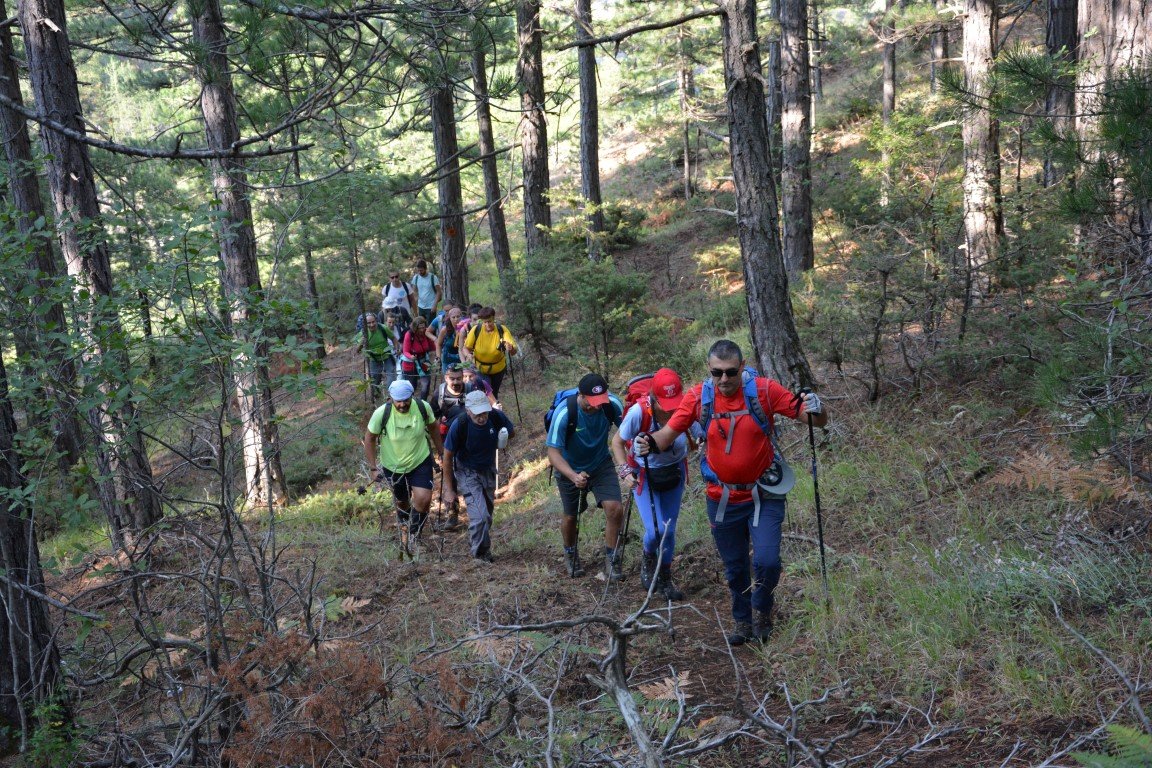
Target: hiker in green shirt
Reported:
[(398, 446), (380, 341)]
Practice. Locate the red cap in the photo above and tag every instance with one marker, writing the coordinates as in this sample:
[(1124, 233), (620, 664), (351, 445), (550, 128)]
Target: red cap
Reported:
[(667, 388)]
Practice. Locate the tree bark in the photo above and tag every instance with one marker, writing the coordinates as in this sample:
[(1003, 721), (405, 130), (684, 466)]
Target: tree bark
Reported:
[(310, 289), (49, 324), (817, 49), (119, 445), (887, 96), (777, 344), (453, 265), (772, 86), (494, 196), (29, 661), (242, 291), (940, 51), (796, 135), (983, 220), (533, 128), (589, 130), (686, 86), (1060, 39)]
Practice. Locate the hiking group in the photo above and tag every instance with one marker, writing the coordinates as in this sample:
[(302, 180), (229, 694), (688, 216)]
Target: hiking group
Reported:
[(729, 416), (460, 420)]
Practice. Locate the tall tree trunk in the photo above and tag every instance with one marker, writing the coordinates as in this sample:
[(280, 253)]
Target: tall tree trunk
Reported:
[(589, 130), (533, 128), (1060, 39), (310, 288), (494, 196), (983, 220), (940, 51), (1115, 36), (29, 661), (815, 54), (887, 96), (260, 444), (44, 341), (453, 265), (774, 97), (686, 86), (796, 135), (118, 442), (777, 345)]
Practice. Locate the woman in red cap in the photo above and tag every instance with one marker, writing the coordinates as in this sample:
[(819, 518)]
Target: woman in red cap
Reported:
[(659, 487)]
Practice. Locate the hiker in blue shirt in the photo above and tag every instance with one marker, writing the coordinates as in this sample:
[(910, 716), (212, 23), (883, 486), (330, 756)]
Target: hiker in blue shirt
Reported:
[(583, 463), (428, 290)]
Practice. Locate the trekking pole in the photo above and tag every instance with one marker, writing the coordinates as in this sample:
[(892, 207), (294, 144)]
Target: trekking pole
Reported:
[(622, 535), (819, 516), (512, 370), (440, 504), (655, 523)]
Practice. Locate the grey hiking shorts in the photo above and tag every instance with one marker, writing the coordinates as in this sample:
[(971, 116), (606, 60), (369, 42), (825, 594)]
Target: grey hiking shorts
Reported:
[(603, 485)]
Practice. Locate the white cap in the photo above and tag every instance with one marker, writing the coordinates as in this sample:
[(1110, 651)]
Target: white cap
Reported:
[(401, 389), (391, 302), (477, 403)]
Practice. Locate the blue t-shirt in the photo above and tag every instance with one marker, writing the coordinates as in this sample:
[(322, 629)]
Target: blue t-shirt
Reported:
[(474, 446), (588, 447), (425, 289), (630, 427)]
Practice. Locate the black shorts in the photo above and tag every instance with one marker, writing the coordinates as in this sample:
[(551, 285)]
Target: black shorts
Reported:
[(603, 485), (402, 483)]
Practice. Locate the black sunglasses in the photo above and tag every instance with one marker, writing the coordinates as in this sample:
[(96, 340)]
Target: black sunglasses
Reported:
[(456, 368), (719, 373)]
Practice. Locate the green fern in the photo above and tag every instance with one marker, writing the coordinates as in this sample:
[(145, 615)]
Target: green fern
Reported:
[(1127, 748)]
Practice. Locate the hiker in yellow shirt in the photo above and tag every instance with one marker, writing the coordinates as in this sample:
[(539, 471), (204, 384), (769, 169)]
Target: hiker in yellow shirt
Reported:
[(489, 345)]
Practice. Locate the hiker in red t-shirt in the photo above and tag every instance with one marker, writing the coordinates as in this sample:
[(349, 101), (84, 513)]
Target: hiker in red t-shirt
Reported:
[(739, 452)]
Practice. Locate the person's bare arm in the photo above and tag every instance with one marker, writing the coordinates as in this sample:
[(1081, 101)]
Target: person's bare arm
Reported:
[(371, 453)]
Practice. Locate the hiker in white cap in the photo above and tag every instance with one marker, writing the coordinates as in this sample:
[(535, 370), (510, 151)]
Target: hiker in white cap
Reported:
[(470, 449), (398, 446)]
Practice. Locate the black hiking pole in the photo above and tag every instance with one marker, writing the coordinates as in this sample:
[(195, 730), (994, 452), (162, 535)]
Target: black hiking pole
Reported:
[(440, 503), (819, 516), (512, 370), (622, 535)]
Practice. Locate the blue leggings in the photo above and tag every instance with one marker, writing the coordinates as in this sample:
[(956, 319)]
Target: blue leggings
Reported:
[(733, 538), (668, 511)]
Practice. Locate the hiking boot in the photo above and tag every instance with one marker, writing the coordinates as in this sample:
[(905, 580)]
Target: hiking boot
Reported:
[(741, 633), (763, 626), (572, 561), (613, 572), (485, 557), (647, 568), (664, 584)]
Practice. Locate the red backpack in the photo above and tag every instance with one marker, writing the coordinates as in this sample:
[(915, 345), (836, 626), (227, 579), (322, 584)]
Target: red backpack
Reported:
[(639, 390)]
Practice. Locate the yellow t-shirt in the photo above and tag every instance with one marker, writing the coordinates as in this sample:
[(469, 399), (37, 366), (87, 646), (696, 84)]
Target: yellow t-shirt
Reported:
[(485, 345)]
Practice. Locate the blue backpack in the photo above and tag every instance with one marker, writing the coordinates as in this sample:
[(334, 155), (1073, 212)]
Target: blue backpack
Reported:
[(567, 398)]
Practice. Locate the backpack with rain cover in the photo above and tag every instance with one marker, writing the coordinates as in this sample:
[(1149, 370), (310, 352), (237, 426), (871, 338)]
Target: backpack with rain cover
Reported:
[(778, 479)]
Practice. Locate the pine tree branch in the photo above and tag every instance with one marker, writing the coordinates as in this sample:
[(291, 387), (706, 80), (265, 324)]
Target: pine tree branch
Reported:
[(161, 154), (619, 37)]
